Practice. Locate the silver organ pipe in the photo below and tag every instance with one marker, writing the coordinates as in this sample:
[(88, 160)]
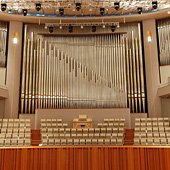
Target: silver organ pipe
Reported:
[(163, 26), (82, 72)]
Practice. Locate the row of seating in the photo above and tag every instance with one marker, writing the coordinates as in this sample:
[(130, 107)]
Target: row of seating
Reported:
[(51, 120), (165, 119), (54, 125), (152, 135), (15, 125), (82, 131), (14, 120), (154, 129), (15, 142), (114, 120), (105, 125), (21, 130), (112, 123), (79, 136), (15, 136), (58, 142), (162, 141), (150, 124)]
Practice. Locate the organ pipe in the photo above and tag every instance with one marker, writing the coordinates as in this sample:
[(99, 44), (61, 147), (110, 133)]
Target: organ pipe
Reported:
[(97, 71)]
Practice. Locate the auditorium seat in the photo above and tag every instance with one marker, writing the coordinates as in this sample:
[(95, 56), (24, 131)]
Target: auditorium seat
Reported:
[(57, 142), (100, 141), (143, 141), (94, 141), (82, 142), (76, 141), (156, 142), (154, 130), (83, 136), (44, 142), (88, 141), (136, 141), (63, 142), (27, 142), (113, 142), (163, 141), (119, 141), (107, 141), (69, 141)]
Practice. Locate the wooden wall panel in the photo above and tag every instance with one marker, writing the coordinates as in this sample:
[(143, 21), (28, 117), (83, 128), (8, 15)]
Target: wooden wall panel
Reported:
[(85, 158)]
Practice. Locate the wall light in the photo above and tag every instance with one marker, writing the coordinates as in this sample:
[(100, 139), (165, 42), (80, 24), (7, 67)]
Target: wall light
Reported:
[(15, 38), (149, 36)]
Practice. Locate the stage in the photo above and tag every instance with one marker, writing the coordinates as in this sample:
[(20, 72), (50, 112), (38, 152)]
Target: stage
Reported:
[(85, 158)]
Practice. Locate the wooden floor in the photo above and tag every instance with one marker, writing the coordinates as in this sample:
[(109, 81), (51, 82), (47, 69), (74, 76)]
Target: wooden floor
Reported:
[(36, 137)]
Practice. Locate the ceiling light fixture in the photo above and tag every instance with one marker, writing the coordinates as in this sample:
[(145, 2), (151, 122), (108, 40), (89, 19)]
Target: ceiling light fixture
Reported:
[(70, 28), (38, 6), (24, 11), (113, 28), (51, 29), (3, 6), (101, 11), (154, 4), (116, 5), (93, 28), (61, 11), (78, 6), (139, 10)]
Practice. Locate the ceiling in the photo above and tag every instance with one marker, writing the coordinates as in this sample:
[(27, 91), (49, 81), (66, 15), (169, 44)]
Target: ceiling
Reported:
[(89, 12), (87, 7)]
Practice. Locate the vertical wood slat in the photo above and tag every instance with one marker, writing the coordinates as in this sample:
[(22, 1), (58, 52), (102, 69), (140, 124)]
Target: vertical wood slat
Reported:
[(83, 158)]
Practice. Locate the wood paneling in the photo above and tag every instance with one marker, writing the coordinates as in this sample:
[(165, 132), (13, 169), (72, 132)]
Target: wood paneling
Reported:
[(85, 158)]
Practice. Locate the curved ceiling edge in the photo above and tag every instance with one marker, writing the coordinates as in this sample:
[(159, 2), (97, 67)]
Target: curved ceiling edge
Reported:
[(121, 18)]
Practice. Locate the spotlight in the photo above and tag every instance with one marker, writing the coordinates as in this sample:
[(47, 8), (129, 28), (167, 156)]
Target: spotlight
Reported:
[(78, 6), (154, 4), (116, 5), (61, 11), (93, 28), (51, 29), (24, 11), (101, 11), (38, 6), (3, 7), (139, 10), (104, 26), (70, 29), (113, 28), (61, 27), (81, 26)]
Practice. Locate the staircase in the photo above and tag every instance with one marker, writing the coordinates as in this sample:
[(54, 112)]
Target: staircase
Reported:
[(129, 135), (35, 137)]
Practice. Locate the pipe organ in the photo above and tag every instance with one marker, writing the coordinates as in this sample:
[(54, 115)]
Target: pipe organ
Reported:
[(3, 43), (163, 26), (92, 71)]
